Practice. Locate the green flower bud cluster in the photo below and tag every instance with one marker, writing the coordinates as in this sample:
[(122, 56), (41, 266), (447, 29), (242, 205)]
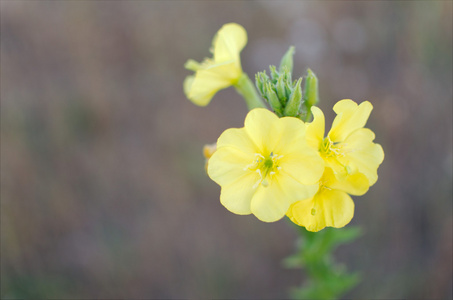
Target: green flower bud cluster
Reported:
[(284, 95)]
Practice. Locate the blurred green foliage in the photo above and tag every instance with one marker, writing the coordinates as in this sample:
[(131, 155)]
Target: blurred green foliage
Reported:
[(326, 279)]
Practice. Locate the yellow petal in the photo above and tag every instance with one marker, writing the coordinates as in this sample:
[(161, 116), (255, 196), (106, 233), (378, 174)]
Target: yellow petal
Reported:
[(208, 81), (315, 129), (228, 164), (237, 138), (188, 84), (306, 166), (350, 117), (363, 154), (328, 208), (300, 210), (192, 65), (290, 135), (268, 203), (299, 160), (293, 189), (263, 128), (229, 42), (271, 203), (355, 184), (339, 165), (237, 196)]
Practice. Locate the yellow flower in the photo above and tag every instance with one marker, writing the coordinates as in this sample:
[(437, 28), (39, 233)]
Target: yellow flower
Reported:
[(348, 147), (331, 206), (265, 166), (220, 72)]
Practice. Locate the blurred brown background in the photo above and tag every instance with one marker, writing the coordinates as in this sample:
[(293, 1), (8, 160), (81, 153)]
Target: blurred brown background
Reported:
[(103, 192)]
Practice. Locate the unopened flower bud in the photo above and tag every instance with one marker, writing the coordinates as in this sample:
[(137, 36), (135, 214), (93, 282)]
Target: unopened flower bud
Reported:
[(288, 87), (293, 106), (273, 100), (287, 60), (281, 91), (261, 80), (208, 151), (274, 73), (311, 96)]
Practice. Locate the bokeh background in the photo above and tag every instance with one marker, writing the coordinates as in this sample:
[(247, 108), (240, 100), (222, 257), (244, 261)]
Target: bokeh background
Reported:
[(103, 191)]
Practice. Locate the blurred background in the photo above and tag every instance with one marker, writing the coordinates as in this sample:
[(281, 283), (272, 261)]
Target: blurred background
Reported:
[(103, 191)]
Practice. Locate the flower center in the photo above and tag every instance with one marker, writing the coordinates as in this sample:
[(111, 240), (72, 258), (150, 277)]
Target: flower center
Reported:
[(265, 166), (335, 150), (329, 148)]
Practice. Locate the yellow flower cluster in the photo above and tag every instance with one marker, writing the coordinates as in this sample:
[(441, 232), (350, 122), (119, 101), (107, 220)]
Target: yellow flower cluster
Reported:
[(274, 167), (351, 161)]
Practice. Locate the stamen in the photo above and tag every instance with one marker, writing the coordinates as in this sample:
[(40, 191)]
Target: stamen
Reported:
[(256, 184), (329, 148), (258, 158)]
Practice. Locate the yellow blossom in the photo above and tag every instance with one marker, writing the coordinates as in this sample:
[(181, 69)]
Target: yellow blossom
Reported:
[(219, 72), (265, 166), (348, 147), (331, 206)]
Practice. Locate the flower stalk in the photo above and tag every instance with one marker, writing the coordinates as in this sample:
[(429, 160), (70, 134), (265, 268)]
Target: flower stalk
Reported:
[(281, 164), (247, 90)]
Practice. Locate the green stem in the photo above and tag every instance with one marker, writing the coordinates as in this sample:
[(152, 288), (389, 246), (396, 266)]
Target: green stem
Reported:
[(307, 117), (246, 89), (325, 278)]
